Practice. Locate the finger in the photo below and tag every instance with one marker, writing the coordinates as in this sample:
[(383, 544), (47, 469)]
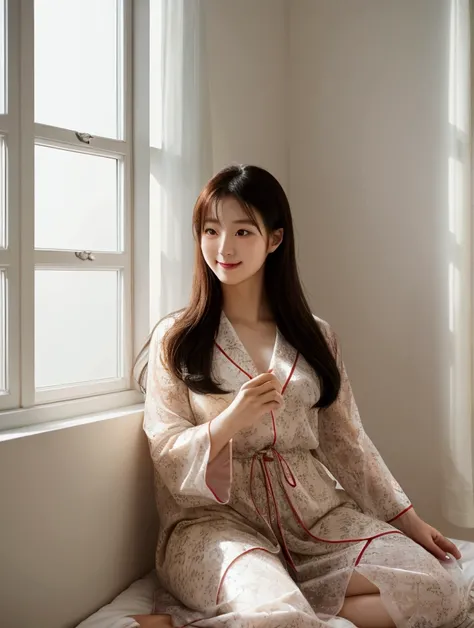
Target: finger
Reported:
[(260, 390), (447, 546), (276, 382), (271, 406), (267, 386), (263, 377), (433, 548), (261, 385), (271, 396), (259, 379)]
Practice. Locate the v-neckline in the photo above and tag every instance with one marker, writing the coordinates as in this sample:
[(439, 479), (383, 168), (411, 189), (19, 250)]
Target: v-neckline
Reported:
[(245, 351)]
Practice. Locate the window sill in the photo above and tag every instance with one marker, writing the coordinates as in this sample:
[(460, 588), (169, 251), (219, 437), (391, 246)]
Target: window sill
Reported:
[(51, 426), (63, 411)]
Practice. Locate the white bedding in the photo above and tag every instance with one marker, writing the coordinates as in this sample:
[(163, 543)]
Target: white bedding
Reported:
[(138, 599)]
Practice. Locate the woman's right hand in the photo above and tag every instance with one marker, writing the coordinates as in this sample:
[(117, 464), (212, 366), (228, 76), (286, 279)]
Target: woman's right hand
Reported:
[(255, 399)]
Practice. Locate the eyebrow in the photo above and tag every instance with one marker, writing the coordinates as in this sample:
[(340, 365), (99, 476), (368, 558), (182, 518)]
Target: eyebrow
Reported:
[(216, 221)]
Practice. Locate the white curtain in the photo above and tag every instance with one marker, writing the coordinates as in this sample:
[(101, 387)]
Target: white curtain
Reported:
[(458, 424), (181, 154)]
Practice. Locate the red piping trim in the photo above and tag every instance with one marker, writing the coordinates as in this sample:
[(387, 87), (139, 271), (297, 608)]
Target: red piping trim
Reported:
[(269, 511), (290, 478), (402, 513), (317, 538), (248, 374), (361, 553), (274, 429), (252, 549), (233, 362)]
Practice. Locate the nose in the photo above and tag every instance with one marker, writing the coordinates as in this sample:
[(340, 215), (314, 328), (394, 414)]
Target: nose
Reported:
[(226, 246)]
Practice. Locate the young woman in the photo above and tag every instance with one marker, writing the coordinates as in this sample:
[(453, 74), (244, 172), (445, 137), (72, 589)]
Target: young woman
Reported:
[(250, 417)]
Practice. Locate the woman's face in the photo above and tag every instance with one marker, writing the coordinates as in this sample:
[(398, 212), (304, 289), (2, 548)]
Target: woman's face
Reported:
[(232, 246)]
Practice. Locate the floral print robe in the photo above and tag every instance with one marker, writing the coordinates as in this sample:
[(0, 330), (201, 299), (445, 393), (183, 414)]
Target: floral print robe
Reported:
[(263, 535)]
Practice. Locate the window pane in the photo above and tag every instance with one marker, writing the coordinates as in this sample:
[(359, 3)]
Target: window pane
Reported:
[(78, 49), (76, 201), (3, 331), (77, 326)]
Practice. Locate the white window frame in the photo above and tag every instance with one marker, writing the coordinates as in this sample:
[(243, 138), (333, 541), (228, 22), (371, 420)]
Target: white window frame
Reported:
[(10, 256), (22, 405)]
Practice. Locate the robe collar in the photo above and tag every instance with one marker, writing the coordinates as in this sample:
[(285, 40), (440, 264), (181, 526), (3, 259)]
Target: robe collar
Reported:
[(283, 359)]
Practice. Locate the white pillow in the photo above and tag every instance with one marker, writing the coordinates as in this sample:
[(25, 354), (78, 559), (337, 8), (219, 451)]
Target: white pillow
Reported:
[(138, 599)]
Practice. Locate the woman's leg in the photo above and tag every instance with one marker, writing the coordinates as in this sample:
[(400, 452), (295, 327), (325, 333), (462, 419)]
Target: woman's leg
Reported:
[(235, 582), (415, 589), (259, 592), (366, 611), (363, 605), (359, 585), (258, 580)]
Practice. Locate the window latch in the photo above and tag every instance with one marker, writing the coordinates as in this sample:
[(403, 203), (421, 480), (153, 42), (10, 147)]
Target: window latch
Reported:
[(85, 255), (85, 138)]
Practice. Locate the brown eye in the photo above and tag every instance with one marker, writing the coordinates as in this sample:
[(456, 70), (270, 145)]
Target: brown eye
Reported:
[(209, 231), (243, 232)]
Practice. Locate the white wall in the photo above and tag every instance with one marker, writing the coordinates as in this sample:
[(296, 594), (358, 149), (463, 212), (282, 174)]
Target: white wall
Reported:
[(248, 57), (77, 521), (368, 185)]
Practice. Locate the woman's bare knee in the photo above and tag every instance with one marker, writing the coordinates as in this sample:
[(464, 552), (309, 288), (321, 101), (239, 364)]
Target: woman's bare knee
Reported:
[(359, 585)]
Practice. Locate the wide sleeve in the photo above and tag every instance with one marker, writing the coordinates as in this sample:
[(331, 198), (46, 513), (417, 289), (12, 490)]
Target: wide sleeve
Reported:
[(349, 454), (179, 448)]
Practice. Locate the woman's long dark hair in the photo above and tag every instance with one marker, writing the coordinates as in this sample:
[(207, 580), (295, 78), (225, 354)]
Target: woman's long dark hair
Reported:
[(189, 343)]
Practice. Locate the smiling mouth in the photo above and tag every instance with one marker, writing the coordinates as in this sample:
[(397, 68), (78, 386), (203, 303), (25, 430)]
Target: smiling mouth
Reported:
[(229, 266)]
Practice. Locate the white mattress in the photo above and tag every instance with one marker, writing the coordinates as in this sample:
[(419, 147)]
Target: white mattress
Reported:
[(138, 599)]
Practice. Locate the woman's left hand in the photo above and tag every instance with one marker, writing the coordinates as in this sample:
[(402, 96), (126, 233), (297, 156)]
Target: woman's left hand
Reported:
[(432, 540)]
